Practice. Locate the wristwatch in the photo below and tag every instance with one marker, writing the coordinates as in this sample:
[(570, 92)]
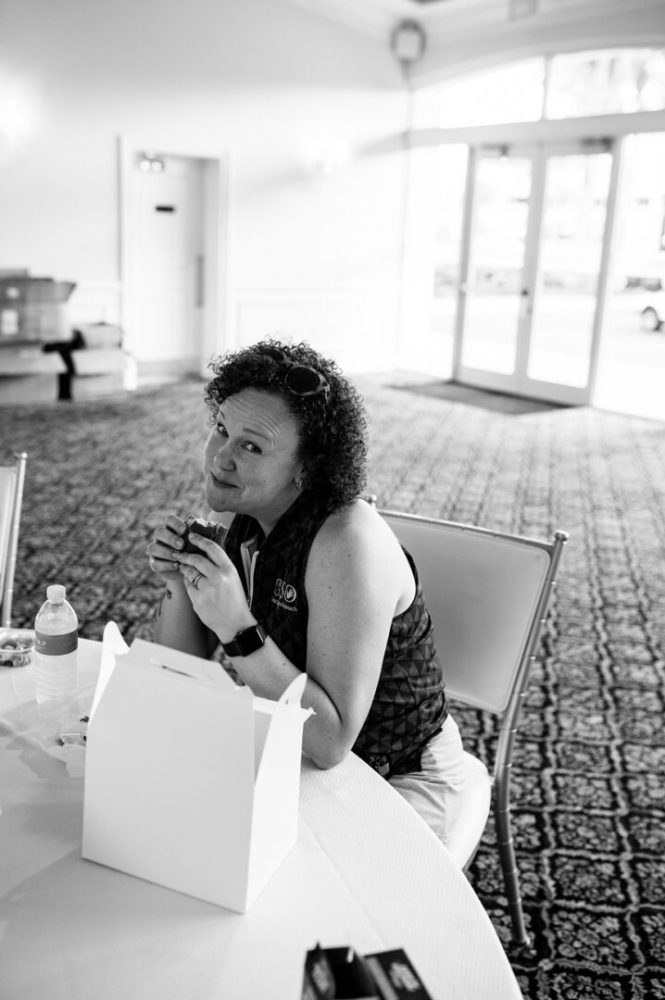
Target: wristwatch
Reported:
[(247, 641)]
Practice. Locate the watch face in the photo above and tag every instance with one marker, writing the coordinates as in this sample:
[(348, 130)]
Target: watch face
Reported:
[(245, 642)]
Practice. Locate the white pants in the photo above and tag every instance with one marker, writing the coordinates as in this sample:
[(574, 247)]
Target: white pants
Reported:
[(435, 792)]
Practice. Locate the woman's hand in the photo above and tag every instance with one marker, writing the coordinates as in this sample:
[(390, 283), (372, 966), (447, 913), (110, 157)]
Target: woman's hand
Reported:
[(214, 588), (163, 551)]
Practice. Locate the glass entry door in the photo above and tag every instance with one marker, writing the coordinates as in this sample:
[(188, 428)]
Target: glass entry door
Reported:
[(536, 241), (493, 303)]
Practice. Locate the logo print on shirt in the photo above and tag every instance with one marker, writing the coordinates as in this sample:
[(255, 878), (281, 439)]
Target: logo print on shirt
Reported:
[(284, 595), (285, 591)]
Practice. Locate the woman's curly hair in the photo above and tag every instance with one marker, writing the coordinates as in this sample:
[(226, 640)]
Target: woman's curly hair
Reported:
[(333, 430)]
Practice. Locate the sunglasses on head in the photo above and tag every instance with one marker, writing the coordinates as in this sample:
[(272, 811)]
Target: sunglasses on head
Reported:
[(299, 379)]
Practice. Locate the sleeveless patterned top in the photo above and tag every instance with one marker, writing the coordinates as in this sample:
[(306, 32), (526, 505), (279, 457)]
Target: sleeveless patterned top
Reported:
[(409, 705)]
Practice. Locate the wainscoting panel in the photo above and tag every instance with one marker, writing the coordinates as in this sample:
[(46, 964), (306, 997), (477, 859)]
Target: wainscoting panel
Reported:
[(355, 326), (95, 302)]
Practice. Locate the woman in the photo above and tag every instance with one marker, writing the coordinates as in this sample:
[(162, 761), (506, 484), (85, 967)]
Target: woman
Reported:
[(309, 577)]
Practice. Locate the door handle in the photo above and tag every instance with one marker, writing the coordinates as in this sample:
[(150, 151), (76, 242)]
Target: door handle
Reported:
[(199, 291)]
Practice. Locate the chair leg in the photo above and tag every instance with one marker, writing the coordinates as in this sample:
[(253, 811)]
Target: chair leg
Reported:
[(510, 875)]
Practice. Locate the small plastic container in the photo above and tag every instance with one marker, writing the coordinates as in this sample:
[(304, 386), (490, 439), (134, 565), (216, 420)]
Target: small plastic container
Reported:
[(16, 646)]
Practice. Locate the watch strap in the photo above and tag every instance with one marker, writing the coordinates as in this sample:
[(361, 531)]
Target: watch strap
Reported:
[(247, 641)]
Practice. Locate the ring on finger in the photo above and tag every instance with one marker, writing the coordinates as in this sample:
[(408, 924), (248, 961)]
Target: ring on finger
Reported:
[(195, 579)]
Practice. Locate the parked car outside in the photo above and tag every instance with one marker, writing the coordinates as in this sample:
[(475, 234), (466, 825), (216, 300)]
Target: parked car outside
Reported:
[(652, 315), (646, 295)]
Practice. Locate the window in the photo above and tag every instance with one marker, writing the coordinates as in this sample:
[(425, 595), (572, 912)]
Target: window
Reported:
[(608, 81), (511, 93)]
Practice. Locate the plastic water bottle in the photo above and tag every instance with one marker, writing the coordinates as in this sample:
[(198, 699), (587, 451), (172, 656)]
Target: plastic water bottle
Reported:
[(56, 644)]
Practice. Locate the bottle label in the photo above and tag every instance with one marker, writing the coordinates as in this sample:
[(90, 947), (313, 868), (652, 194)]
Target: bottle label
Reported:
[(56, 645)]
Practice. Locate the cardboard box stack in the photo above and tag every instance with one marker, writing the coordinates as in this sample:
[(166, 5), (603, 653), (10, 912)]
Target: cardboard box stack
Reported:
[(34, 309)]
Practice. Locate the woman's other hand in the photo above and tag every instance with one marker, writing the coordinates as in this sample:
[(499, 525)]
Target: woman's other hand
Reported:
[(165, 548)]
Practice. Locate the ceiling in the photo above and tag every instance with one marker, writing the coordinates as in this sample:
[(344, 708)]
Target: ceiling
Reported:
[(378, 18)]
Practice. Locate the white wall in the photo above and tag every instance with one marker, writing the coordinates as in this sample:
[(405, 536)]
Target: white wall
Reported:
[(318, 255)]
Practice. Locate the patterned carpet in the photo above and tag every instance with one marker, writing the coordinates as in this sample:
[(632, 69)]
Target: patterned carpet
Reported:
[(589, 774)]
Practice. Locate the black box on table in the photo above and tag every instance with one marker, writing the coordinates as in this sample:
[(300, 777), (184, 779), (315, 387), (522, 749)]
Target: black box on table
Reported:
[(341, 974)]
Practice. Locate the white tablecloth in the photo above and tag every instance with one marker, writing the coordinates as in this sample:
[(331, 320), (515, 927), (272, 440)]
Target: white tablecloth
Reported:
[(366, 872)]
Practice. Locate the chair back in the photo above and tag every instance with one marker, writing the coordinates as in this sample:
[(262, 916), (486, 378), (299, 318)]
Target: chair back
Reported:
[(487, 593), (12, 478)]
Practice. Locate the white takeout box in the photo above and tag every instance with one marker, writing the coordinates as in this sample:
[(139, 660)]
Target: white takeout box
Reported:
[(191, 781)]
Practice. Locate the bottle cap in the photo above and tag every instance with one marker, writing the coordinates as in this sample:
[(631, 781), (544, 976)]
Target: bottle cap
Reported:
[(56, 592)]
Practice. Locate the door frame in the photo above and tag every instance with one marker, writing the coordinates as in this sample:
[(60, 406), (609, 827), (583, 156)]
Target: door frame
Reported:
[(519, 382), (216, 197), (548, 131)]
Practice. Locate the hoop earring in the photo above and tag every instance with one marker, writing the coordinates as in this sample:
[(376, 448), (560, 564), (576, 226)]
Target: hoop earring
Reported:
[(298, 484)]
